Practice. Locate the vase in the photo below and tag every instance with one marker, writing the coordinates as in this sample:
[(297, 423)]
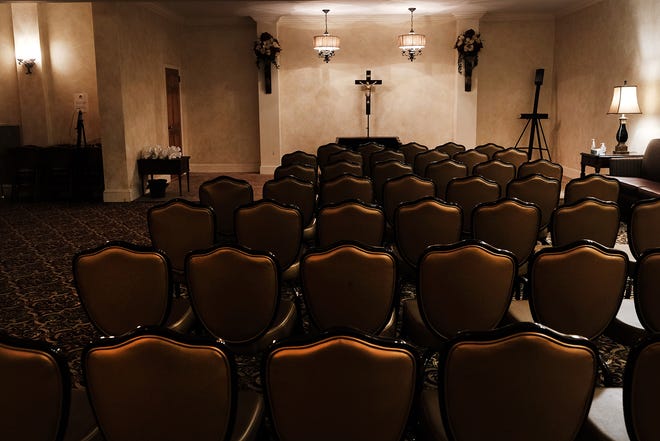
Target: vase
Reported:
[(267, 78), (468, 64)]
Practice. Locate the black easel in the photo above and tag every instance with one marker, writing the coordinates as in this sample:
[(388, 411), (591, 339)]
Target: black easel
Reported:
[(534, 122), (81, 139)]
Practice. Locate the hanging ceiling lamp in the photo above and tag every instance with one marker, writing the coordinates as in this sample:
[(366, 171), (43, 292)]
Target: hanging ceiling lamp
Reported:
[(411, 44), (326, 44)]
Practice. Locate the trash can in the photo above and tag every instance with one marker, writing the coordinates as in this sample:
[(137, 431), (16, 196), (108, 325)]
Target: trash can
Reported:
[(157, 187)]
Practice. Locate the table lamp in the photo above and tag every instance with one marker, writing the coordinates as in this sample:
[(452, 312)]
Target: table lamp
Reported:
[(624, 100)]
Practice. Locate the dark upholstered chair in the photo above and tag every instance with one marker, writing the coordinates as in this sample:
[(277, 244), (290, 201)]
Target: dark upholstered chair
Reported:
[(542, 167), (323, 152), (588, 218), (385, 155), (425, 158), (290, 190), (341, 386), (366, 150), (411, 150), (383, 171), (496, 170), (346, 187), (522, 382), (469, 192), (334, 169), (464, 286), (299, 157), (224, 194), (267, 225), (236, 296), (402, 189), (350, 220), (512, 155), (345, 155), (122, 286), (442, 172), (349, 285), (450, 148), (596, 186), (37, 400), (540, 190), (300, 171), (470, 158), (489, 149), (179, 226), (153, 385)]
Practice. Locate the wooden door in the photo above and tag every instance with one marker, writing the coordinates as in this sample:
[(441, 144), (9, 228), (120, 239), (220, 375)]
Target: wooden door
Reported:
[(172, 80)]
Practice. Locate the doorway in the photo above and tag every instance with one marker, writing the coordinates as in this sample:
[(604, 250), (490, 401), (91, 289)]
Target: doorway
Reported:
[(172, 80)]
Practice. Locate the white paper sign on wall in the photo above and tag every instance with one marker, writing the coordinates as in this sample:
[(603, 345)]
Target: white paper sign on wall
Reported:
[(80, 101)]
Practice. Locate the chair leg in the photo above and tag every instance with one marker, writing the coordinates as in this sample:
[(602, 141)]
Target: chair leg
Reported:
[(607, 375)]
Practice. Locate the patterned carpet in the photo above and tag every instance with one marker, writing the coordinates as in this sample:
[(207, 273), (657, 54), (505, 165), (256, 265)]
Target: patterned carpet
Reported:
[(37, 297)]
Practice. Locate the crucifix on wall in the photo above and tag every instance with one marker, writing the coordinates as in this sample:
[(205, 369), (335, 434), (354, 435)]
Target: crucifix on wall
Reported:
[(367, 84)]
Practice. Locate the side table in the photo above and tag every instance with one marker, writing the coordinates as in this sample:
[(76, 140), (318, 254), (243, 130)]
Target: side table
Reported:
[(598, 161), (178, 166)]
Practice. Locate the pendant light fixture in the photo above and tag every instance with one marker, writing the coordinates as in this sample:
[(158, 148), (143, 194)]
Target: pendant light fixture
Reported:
[(326, 44), (411, 44)]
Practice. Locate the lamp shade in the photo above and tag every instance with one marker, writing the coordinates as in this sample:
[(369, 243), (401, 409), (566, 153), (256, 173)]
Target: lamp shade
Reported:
[(624, 100), (412, 41), (326, 42)]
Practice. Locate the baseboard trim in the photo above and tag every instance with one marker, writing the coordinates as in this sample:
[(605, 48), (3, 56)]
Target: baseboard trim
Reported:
[(571, 173), (125, 195), (224, 168), (267, 169)]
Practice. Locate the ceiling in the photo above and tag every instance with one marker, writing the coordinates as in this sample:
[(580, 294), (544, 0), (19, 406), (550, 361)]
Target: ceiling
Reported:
[(233, 8)]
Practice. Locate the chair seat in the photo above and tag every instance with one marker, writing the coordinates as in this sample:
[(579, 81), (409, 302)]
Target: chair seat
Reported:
[(81, 425), (626, 327), (519, 311), (181, 318), (282, 327), (249, 414), (431, 426), (414, 327), (605, 421)]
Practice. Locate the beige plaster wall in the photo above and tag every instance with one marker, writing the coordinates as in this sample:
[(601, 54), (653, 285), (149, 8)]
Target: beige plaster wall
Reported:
[(596, 49), (9, 103), (513, 50), (320, 101)]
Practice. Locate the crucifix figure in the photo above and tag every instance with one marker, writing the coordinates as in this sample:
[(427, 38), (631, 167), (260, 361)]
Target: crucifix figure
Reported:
[(367, 84)]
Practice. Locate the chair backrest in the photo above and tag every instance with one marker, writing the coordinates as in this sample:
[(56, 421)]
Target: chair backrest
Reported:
[(442, 172), (402, 189), (577, 289), (597, 186), (347, 387), (644, 226), (650, 168), (550, 402), (489, 149), (512, 155), (588, 218), (384, 155), (543, 167), (411, 150), (508, 224), (450, 148), (496, 170), (179, 226), (647, 280), (290, 190), (349, 286), (346, 187), (366, 150), (538, 190), (299, 157), (425, 158), (383, 171), (225, 194), (345, 155), (641, 387), (234, 292), (300, 171), (267, 225), (324, 152), (122, 286), (425, 222), (469, 192), (333, 170), (350, 220), (36, 390), (134, 381), (470, 158), (464, 286)]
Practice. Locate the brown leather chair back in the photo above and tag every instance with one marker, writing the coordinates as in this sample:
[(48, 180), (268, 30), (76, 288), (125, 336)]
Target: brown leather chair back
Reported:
[(512, 155), (496, 170), (508, 224), (489, 149), (450, 148), (350, 220), (346, 187), (651, 161), (641, 386), (470, 158), (366, 150), (122, 286), (293, 191), (425, 222), (542, 167), (464, 286), (402, 189), (340, 384), (299, 157), (234, 292), (349, 286), (225, 194), (539, 190), (588, 218), (577, 289), (596, 186), (549, 401), (383, 171), (647, 280), (469, 192), (300, 171), (425, 158), (385, 155), (338, 168), (323, 152), (411, 150), (36, 390), (178, 227), (644, 226), (442, 172), (345, 155), (134, 382)]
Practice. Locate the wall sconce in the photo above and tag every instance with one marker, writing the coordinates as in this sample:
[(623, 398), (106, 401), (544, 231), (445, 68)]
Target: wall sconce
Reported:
[(624, 100), (28, 63), (326, 44), (411, 44)]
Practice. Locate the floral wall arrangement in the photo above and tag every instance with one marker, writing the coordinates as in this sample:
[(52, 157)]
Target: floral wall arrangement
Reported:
[(468, 44), (267, 50)]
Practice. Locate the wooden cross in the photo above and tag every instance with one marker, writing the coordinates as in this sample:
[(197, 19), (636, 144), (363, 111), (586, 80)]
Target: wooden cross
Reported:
[(368, 83)]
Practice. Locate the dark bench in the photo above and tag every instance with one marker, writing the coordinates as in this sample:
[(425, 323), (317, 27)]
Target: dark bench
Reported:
[(639, 177)]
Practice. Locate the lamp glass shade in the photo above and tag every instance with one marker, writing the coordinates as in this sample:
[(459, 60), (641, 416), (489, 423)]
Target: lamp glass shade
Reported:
[(624, 100), (326, 42), (412, 41)]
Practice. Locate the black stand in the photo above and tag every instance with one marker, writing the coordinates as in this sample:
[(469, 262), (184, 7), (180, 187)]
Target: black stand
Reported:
[(534, 122), (368, 83), (81, 139)]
